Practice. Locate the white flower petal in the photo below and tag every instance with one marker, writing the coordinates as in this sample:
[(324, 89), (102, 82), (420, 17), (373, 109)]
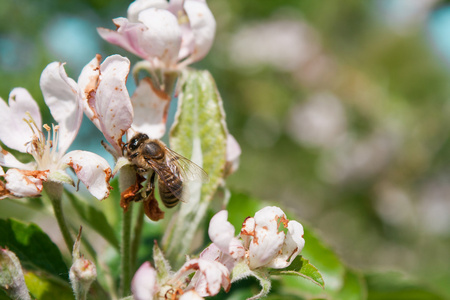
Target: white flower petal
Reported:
[(144, 285), (210, 277), (150, 107), (214, 275), (63, 99), (88, 81), (220, 231), (139, 5), (191, 295), (14, 131), (247, 231), (162, 39), (8, 160), (112, 102), (236, 249), (23, 183), (92, 169), (292, 246), (203, 26), (267, 240), (233, 154)]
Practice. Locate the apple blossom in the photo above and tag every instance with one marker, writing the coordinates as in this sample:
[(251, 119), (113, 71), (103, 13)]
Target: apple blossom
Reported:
[(20, 129), (267, 245), (262, 243), (209, 278), (169, 35), (105, 97), (107, 104)]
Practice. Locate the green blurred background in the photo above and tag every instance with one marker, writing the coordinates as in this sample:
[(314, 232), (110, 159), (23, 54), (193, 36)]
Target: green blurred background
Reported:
[(341, 109)]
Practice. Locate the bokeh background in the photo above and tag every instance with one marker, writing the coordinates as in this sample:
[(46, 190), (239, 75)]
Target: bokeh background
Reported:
[(341, 108)]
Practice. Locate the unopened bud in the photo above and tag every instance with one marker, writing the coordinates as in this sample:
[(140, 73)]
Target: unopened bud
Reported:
[(11, 276), (82, 273)]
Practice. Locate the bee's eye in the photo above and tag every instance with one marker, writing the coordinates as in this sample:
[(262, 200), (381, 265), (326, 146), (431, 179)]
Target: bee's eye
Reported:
[(136, 141), (133, 144)]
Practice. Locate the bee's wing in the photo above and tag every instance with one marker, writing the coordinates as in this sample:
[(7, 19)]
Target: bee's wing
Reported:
[(184, 168), (181, 167)]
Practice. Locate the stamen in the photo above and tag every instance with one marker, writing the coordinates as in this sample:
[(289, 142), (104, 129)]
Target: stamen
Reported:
[(55, 137)]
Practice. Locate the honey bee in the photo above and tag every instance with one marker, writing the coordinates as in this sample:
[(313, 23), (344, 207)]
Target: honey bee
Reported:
[(151, 156)]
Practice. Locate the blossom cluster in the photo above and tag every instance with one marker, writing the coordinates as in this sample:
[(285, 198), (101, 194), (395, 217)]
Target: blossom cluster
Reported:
[(262, 243)]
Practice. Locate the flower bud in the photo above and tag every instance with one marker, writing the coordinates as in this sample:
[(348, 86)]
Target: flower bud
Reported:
[(82, 273)]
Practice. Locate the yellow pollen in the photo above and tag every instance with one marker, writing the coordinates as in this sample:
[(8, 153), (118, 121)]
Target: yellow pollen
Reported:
[(46, 127), (182, 18)]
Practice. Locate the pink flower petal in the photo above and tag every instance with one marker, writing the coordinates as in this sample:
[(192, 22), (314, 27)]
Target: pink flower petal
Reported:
[(127, 36), (144, 285), (212, 252), (162, 39), (203, 26), (14, 131), (62, 96), (22, 183), (150, 107), (92, 169), (112, 102)]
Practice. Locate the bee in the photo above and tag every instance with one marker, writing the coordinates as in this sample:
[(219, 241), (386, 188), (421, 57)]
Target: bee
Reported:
[(151, 156)]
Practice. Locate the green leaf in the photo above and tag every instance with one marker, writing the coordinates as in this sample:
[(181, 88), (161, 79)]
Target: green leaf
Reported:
[(45, 288), (264, 282), (199, 133), (95, 218), (33, 247), (324, 259), (301, 267)]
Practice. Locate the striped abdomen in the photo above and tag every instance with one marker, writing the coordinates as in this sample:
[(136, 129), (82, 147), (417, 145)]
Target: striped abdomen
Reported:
[(170, 188)]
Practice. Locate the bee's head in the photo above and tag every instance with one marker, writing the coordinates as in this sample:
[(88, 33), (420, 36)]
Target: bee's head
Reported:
[(134, 143)]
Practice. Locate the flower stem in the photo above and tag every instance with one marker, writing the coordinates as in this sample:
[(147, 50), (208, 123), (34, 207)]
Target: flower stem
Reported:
[(54, 192), (125, 251), (127, 178), (137, 235)]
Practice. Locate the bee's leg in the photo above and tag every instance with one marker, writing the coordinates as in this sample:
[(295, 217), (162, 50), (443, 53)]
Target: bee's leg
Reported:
[(151, 184)]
